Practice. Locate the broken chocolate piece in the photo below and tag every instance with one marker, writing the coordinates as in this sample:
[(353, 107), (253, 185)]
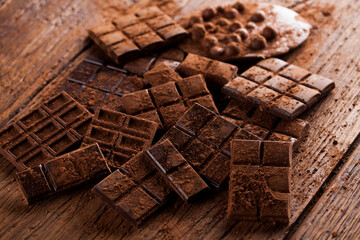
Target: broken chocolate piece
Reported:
[(265, 125), (62, 173), (166, 103), (160, 74), (280, 88), (213, 71), (203, 138), (271, 30), (176, 170), (259, 186), (120, 136), (45, 132), (136, 190), (127, 36)]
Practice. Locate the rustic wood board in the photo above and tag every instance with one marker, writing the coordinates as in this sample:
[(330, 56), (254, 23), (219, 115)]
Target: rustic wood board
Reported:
[(43, 41)]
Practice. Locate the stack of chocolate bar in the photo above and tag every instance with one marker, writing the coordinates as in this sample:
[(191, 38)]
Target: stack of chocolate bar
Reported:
[(155, 112)]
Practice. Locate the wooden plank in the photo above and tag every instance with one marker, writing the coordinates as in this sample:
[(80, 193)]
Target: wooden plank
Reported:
[(77, 214), (336, 214), (38, 39)]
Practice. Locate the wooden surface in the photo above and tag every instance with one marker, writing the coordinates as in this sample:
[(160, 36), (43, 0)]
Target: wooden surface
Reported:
[(41, 41)]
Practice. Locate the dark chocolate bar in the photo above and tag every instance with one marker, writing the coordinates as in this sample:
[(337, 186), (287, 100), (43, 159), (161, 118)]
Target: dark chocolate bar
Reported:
[(62, 173), (244, 30), (166, 103), (176, 170), (144, 31), (214, 71), (280, 88), (136, 190), (264, 125), (120, 136), (203, 138), (45, 132), (259, 186)]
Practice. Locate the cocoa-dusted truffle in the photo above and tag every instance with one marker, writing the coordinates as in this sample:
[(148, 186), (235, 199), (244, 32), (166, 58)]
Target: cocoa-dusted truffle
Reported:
[(210, 41), (258, 42), (232, 49), (216, 51), (239, 6), (197, 31), (235, 25), (269, 33), (258, 16), (208, 13), (231, 13)]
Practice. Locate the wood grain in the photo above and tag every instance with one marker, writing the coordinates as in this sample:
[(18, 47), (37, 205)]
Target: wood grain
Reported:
[(49, 49)]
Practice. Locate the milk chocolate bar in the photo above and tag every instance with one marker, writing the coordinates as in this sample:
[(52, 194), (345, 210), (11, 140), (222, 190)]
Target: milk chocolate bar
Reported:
[(264, 125), (136, 190), (176, 170), (216, 72), (282, 89), (120, 136), (144, 31), (45, 132), (244, 31), (166, 103), (62, 173), (203, 138), (259, 186)]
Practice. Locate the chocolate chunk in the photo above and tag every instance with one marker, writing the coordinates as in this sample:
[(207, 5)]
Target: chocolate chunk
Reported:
[(129, 35), (62, 173), (286, 92), (121, 135), (203, 138), (264, 21), (166, 103), (161, 74), (259, 186), (213, 71), (136, 190), (45, 132), (264, 125), (176, 170)]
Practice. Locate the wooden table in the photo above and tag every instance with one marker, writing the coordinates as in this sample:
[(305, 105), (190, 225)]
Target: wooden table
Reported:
[(41, 41)]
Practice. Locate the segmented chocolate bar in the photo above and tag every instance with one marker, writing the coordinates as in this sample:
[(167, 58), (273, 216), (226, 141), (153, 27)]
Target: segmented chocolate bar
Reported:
[(120, 136), (244, 30), (136, 190), (45, 132), (259, 186), (282, 89), (166, 103), (203, 138), (264, 125), (62, 173), (214, 71), (176, 170), (146, 30)]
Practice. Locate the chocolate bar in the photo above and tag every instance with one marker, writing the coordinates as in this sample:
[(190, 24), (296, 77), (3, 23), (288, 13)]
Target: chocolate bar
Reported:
[(62, 173), (136, 190), (259, 186), (216, 72), (45, 132), (244, 30), (160, 74), (166, 103), (120, 136), (203, 138), (265, 125), (280, 88), (144, 31), (176, 170)]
